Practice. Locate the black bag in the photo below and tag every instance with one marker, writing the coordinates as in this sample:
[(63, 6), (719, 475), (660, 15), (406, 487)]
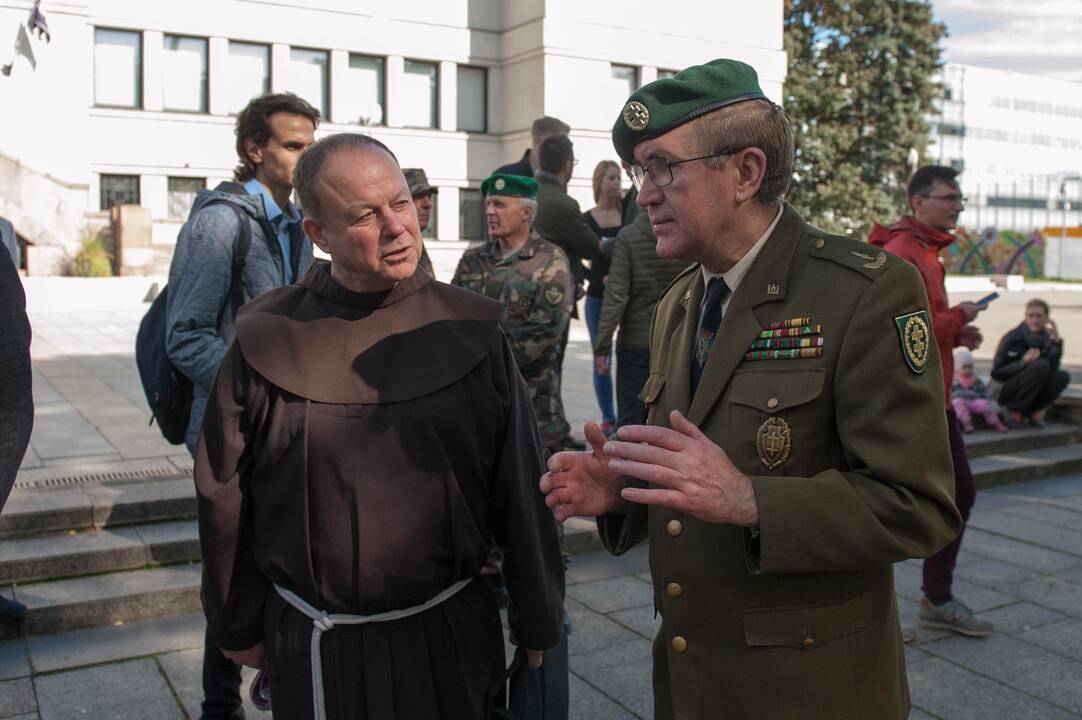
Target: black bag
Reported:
[(168, 390)]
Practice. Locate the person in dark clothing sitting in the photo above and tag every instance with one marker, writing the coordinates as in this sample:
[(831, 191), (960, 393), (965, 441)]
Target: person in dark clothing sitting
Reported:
[(1027, 363)]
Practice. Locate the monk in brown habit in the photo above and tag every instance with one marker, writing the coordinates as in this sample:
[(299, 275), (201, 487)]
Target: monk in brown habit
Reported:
[(366, 440)]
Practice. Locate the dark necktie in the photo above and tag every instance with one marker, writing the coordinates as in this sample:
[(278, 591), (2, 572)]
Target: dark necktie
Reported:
[(716, 292)]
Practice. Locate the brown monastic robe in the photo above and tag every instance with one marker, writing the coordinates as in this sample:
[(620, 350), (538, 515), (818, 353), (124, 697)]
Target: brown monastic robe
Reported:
[(363, 450)]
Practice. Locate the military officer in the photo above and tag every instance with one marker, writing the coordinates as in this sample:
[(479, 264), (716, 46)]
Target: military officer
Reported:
[(532, 279), (786, 465)]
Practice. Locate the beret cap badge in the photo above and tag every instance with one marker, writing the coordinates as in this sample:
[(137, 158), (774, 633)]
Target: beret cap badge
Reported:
[(636, 116), (501, 183)]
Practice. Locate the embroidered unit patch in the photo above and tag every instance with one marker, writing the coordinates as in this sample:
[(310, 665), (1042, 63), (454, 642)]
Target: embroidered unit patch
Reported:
[(915, 338)]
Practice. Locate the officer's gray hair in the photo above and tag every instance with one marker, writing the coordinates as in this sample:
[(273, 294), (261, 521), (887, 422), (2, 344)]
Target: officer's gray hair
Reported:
[(309, 168), (532, 204), (755, 123)]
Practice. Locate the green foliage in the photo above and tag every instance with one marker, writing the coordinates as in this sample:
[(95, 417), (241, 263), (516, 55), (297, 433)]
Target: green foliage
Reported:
[(859, 88), (93, 260)]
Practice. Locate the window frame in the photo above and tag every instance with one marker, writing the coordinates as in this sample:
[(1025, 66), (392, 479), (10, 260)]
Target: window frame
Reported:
[(484, 99), (139, 70), (169, 179), (205, 99), (324, 107), (435, 92), (382, 85), (268, 83), (101, 190)]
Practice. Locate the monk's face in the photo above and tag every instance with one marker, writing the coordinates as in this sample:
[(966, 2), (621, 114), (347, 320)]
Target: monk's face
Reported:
[(368, 223)]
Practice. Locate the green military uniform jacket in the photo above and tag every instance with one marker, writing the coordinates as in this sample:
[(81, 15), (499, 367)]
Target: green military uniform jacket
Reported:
[(534, 287), (560, 221), (799, 619)]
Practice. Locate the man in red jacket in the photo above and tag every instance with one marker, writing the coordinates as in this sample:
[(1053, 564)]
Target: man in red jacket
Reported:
[(936, 201)]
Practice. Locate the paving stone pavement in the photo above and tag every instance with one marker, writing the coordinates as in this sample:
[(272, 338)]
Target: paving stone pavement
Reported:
[(1021, 566)]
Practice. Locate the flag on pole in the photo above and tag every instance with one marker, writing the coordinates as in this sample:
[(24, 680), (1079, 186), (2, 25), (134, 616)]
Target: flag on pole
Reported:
[(37, 22)]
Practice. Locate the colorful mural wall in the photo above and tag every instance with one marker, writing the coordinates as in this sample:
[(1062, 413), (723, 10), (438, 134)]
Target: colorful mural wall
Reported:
[(996, 252)]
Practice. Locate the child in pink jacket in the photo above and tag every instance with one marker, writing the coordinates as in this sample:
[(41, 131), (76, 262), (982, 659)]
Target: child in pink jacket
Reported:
[(969, 395)]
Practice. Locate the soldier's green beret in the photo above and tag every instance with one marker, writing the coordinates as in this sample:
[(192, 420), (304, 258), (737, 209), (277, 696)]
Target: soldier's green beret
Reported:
[(660, 106), (511, 185)]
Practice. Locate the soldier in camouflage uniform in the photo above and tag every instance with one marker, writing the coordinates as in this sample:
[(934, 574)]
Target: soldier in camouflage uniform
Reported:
[(532, 278)]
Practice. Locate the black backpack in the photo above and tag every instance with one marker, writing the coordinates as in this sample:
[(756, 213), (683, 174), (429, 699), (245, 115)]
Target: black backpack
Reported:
[(168, 390)]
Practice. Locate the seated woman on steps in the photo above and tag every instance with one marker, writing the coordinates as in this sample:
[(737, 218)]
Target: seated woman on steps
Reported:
[(1027, 363)]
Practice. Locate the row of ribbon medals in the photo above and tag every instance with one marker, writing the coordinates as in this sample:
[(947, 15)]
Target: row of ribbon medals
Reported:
[(787, 339)]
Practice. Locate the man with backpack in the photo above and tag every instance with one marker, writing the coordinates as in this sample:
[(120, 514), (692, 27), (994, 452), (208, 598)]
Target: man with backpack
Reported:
[(273, 131)]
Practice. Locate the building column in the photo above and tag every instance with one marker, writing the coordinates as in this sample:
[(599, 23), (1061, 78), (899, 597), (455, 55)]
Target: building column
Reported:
[(338, 77), (153, 195), (396, 70), (279, 63), (647, 74), (218, 74), (448, 96), (153, 44), (447, 213)]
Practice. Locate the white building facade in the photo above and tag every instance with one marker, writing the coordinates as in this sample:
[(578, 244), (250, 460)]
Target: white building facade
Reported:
[(1018, 141), (133, 101)]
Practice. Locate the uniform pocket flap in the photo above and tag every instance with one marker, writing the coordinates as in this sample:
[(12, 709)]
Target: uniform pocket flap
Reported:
[(804, 628), (653, 387), (772, 390)]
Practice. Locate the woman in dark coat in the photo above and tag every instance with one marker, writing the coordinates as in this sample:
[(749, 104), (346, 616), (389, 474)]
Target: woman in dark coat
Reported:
[(1027, 363)]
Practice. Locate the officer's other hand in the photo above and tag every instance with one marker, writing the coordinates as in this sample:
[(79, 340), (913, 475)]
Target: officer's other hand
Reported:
[(601, 362), (1031, 355), (695, 474), (970, 309), (970, 336), (581, 483), (253, 657), (534, 658)]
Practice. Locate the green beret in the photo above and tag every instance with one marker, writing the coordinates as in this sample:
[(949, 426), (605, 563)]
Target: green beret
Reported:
[(660, 106), (418, 182), (511, 185)]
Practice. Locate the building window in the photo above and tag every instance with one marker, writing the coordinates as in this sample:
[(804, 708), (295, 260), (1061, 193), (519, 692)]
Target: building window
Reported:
[(248, 72), (1006, 201), (307, 76), (184, 74), (472, 99), (362, 100), (181, 195), (625, 80), (663, 74), (119, 190), (420, 93), (471, 214), (118, 68)]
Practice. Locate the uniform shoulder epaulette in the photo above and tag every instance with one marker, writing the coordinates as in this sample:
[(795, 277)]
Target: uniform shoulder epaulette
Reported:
[(857, 255)]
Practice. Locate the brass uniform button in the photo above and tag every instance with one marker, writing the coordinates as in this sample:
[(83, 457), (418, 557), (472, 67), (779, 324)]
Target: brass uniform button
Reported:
[(809, 643), (674, 528), (679, 644), (674, 589), (820, 244), (772, 403)]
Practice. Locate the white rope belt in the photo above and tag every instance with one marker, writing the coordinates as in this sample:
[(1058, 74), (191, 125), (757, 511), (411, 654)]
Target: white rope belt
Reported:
[(323, 622)]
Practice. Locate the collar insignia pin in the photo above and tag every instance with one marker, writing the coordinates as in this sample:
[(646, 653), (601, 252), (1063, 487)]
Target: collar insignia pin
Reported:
[(773, 289)]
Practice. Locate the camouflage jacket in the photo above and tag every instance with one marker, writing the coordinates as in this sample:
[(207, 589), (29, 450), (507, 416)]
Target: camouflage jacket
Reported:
[(534, 286)]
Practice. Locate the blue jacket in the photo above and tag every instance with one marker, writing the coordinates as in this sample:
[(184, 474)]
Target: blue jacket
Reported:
[(199, 315)]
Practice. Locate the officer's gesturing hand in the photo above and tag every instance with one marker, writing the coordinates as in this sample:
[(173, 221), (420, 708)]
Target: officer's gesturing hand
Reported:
[(694, 474), (581, 483)]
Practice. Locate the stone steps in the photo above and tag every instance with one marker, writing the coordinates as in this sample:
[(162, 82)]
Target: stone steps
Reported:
[(988, 442), (1018, 467), (108, 599)]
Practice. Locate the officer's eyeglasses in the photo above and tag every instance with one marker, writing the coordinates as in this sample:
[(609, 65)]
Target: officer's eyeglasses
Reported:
[(660, 170), (949, 199)]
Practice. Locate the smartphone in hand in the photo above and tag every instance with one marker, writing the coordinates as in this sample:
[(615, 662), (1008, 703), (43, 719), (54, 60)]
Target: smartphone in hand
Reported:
[(988, 298)]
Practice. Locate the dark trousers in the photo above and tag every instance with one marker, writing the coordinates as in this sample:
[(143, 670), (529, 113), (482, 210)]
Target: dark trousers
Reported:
[(221, 684), (632, 370), (1033, 388), (939, 568)]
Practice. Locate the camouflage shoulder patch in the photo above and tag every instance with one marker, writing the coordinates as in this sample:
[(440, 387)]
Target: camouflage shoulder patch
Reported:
[(915, 336), (554, 295)]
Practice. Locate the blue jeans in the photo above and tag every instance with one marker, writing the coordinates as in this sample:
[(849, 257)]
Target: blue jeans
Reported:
[(602, 383)]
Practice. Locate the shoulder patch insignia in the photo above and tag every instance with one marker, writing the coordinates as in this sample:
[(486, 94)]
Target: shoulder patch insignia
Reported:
[(915, 336), (873, 263), (554, 295)]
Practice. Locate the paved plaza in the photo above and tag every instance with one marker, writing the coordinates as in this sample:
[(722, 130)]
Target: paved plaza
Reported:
[(1021, 564)]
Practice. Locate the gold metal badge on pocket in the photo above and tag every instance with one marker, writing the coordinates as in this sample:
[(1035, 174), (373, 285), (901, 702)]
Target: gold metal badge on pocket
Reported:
[(773, 442)]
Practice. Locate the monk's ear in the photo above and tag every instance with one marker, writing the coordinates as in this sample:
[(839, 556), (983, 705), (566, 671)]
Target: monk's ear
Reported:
[(314, 231)]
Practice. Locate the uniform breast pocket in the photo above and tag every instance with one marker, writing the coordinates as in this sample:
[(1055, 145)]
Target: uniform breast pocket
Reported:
[(778, 420), (473, 281)]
